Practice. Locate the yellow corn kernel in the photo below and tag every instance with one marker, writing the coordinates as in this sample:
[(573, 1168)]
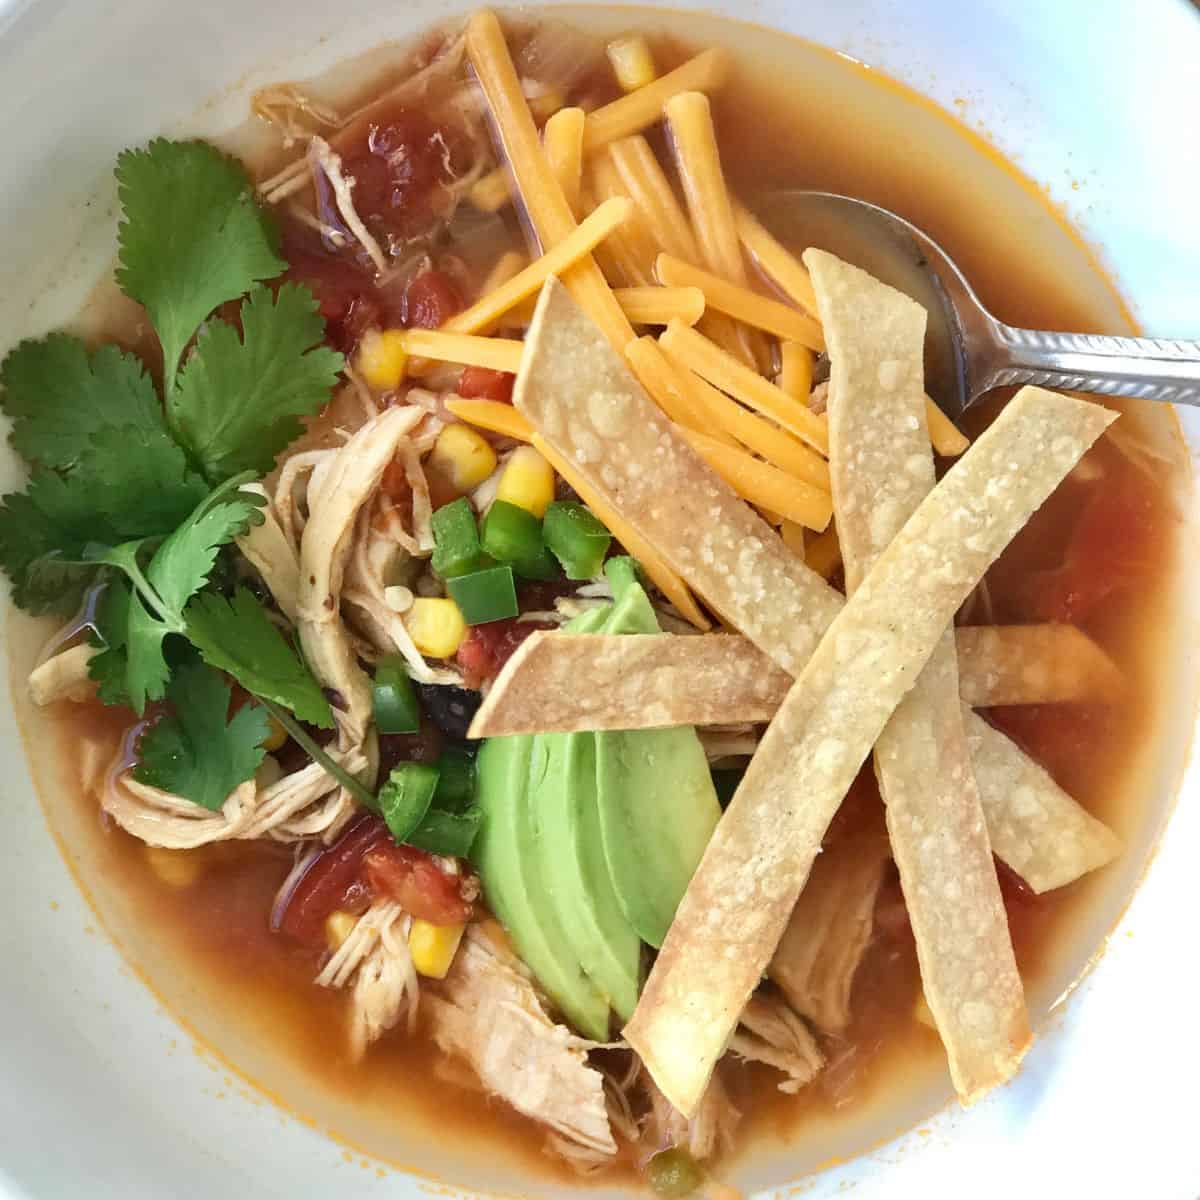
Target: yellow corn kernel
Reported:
[(436, 626), (382, 359), (632, 62), (463, 456), (337, 928), (276, 736), (178, 868), (433, 947), (527, 481)]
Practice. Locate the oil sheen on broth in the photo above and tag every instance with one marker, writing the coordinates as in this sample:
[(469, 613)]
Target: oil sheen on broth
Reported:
[(202, 939)]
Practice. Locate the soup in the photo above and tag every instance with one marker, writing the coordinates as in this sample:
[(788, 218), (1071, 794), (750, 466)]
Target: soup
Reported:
[(457, 546)]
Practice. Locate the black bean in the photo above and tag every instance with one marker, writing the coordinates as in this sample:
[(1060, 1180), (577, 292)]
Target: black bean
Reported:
[(451, 708)]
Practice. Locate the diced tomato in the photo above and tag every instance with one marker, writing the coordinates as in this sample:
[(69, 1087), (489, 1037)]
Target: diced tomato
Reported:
[(486, 384), (345, 293), (486, 648), (332, 881), (430, 300), (1108, 552), (418, 884), (399, 170)]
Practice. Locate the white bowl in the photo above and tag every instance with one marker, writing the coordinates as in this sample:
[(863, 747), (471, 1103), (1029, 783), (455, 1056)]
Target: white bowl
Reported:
[(103, 1093)]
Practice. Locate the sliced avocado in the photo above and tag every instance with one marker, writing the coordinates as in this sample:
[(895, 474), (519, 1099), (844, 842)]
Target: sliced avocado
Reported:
[(658, 807), (507, 856), (564, 811)]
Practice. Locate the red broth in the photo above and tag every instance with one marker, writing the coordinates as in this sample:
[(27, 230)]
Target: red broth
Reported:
[(1101, 553)]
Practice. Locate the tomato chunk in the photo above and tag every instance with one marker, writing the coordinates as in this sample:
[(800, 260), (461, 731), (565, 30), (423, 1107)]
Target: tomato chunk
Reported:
[(486, 384), (400, 170), (486, 648), (418, 884), (332, 881), (346, 294), (430, 300)]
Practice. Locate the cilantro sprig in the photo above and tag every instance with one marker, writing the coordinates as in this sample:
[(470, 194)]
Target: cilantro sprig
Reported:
[(141, 483), (112, 459), (198, 751)]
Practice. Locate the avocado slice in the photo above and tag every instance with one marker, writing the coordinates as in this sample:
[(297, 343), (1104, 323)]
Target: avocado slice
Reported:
[(658, 807), (567, 820), (506, 852)]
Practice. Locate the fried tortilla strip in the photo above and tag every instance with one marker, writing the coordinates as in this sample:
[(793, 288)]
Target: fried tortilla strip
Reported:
[(1033, 664), (662, 680), (829, 930), (737, 905), (881, 467), (1034, 826), (616, 441)]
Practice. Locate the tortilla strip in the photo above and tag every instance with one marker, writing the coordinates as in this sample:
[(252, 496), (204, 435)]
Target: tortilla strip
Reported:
[(739, 900), (657, 681), (1034, 826), (881, 466), (829, 930), (736, 909), (1033, 664)]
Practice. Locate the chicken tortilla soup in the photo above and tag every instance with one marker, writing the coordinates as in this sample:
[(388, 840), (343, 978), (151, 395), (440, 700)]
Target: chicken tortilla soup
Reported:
[(530, 615)]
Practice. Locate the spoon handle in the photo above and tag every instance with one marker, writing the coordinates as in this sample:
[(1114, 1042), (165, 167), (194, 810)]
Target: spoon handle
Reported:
[(1144, 368)]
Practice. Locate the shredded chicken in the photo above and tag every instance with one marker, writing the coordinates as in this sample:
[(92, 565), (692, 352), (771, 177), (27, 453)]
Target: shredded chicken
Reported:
[(445, 64), (830, 929), (293, 113), (706, 1134), (771, 1032), (325, 161), (728, 741), (487, 1012), (63, 676), (347, 482), (269, 551), (375, 957), (305, 804)]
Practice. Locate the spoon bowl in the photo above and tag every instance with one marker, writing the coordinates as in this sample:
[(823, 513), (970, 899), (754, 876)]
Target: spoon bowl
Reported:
[(968, 351)]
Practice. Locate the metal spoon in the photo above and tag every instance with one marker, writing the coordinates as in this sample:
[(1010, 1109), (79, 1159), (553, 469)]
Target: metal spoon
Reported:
[(968, 351)]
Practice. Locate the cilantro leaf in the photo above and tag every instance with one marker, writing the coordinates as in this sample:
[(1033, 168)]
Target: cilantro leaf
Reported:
[(192, 237), (179, 568), (195, 752), (127, 483), (110, 668), (58, 397), (184, 561), (237, 636), (138, 481), (239, 400), (43, 533)]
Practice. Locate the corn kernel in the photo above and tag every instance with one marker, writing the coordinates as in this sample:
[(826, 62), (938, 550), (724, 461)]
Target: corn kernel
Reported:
[(178, 868), (435, 625), (433, 947), (337, 928), (276, 736), (382, 359), (464, 456), (632, 62), (527, 481)]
